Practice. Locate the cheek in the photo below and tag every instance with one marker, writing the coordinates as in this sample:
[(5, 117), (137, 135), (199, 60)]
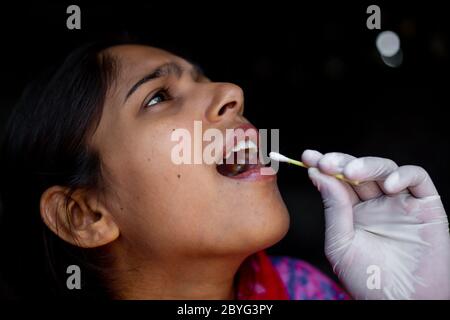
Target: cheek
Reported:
[(162, 203)]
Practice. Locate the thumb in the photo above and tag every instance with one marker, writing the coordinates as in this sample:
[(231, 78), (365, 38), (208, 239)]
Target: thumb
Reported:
[(337, 203)]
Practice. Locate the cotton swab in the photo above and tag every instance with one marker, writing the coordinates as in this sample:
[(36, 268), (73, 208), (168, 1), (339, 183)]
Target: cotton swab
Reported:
[(279, 157)]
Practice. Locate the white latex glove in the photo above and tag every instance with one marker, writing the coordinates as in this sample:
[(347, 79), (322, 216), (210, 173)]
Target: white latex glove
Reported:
[(393, 225)]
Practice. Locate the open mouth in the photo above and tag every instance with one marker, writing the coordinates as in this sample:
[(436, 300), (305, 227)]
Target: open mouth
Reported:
[(240, 161)]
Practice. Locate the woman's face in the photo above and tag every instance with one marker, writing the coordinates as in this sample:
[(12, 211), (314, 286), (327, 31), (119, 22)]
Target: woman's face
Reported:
[(163, 208)]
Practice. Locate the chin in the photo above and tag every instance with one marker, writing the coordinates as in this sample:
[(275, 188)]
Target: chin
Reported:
[(278, 226), (268, 226)]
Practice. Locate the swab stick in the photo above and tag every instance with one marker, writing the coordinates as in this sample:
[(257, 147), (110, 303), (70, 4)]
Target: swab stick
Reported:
[(279, 157)]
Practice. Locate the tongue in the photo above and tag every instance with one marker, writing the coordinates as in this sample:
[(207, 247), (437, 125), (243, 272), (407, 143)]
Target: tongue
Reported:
[(231, 170), (234, 169)]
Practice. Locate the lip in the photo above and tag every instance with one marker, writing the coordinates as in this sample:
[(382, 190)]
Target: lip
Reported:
[(255, 174)]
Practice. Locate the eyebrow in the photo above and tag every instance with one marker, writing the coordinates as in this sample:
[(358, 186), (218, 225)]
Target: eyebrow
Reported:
[(167, 69)]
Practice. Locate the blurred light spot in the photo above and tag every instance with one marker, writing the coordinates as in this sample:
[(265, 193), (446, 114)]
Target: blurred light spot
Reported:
[(394, 61), (438, 46), (408, 28), (388, 43)]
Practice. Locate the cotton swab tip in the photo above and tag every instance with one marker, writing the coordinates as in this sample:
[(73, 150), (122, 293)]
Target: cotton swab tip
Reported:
[(278, 157)]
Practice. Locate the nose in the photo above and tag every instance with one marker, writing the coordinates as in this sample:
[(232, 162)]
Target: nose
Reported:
[(228, 102)]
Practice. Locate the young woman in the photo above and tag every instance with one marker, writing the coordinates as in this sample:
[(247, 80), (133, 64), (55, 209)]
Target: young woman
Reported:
[(88, 180)]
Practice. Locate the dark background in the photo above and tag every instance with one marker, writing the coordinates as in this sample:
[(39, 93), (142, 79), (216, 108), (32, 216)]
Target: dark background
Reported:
[(311, 70)]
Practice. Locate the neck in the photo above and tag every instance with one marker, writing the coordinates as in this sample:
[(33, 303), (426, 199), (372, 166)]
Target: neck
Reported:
[(190, 279)]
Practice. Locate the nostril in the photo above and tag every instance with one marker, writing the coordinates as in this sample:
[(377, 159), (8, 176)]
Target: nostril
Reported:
[(225, 107), (222, 110)]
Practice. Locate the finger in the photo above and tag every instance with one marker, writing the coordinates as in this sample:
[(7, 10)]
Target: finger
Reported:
[(336, 200), (313, 158), (368, 190), (335, 162), (414, 178), (369, 169)]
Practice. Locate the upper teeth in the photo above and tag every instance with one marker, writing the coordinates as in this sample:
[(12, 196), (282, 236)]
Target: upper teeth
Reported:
[(242, 145)]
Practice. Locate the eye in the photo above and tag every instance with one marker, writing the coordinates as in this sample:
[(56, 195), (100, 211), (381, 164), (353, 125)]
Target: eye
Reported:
[(160, 96)]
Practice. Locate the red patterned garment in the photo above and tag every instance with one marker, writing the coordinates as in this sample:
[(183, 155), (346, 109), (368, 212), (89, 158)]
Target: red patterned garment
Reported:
[(283, 278)]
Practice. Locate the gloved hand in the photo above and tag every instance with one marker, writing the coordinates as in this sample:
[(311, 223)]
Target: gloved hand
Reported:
[(387, 238)]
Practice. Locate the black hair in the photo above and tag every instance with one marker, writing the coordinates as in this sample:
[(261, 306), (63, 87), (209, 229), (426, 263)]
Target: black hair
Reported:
[(45, 144)]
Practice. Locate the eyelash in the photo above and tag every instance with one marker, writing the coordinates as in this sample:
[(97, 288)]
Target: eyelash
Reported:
[(164, 92)]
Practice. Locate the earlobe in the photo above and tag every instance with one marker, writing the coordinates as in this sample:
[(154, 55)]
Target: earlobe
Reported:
[(78, 217)]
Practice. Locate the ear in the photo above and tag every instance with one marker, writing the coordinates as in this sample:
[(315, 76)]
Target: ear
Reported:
[(78, 218)]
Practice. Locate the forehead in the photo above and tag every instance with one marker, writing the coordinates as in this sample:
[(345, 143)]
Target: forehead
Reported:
[(135, 61)]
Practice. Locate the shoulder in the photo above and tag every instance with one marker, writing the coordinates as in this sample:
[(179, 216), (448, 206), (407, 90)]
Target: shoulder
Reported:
[(305, 282)]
